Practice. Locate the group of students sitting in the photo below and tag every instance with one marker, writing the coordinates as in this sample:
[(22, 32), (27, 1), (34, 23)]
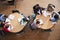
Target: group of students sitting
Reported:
[(54, 16), (5, 26)]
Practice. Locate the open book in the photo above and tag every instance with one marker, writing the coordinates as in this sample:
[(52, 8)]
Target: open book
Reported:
[(41, 21), (45, 13)]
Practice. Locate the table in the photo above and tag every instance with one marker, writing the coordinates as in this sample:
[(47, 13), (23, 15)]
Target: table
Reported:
[(17, 27), (47, 24)]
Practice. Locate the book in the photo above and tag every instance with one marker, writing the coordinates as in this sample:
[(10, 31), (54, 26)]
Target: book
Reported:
[(41, 21)]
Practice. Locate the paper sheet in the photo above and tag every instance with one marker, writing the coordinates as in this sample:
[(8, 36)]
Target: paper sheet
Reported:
[(11, 17), (45, 14), (7, 20), (9, 28)]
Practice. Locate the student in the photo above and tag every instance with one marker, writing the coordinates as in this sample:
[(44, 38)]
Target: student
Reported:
[(59, 14), (48, 11), (26, 18), (50, 7), (54, 17), (3, 17), (37, 9), (34, 24), (7, 27)]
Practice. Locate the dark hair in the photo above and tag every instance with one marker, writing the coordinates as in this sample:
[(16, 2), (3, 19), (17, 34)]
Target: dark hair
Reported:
[(37, 22), (14, 11), (59, 12), (37, 4), (24, 19), (5, 16), (56, 16), (7, 26), (52, 5)]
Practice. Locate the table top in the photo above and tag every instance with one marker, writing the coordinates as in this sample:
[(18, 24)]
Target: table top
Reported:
[(17, 27), (47, 24)]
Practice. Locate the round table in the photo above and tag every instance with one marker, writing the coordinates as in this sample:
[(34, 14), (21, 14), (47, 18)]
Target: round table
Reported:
[(47, 24), (17, 27)]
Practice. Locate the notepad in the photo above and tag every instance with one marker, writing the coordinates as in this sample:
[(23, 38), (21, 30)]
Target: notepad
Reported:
[(11, 17)]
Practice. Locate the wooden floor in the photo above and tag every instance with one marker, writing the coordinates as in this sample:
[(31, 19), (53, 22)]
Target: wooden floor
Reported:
[(25, 6)]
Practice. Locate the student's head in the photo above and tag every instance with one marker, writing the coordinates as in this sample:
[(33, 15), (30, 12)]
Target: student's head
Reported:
[(59, 12), (15, 11), (37, 22), (37, 5), (50, 7), (7, 26), (56, 16), (5, 16), (24, 19)]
